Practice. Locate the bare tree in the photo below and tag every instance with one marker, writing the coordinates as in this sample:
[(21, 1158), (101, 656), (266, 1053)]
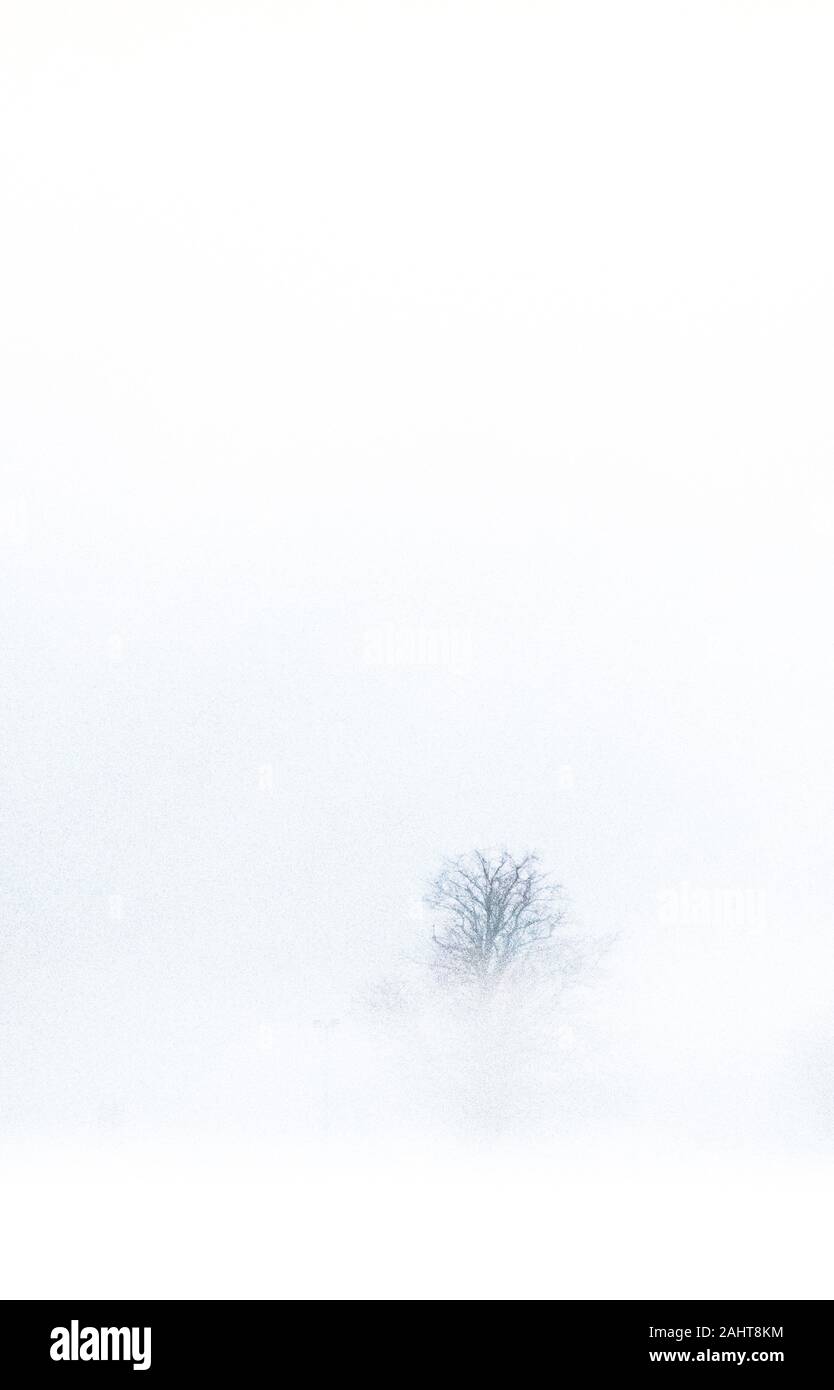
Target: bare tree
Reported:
[(493, 914)]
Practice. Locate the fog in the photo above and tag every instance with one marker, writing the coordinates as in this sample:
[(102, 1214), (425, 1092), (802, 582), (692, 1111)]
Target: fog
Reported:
[(415, 437)]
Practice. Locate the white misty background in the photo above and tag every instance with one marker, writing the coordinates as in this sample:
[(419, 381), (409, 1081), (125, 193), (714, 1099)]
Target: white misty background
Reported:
[(416, 437)]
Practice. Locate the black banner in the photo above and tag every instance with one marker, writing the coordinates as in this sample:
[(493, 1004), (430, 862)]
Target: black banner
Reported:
[(232, 1341)]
